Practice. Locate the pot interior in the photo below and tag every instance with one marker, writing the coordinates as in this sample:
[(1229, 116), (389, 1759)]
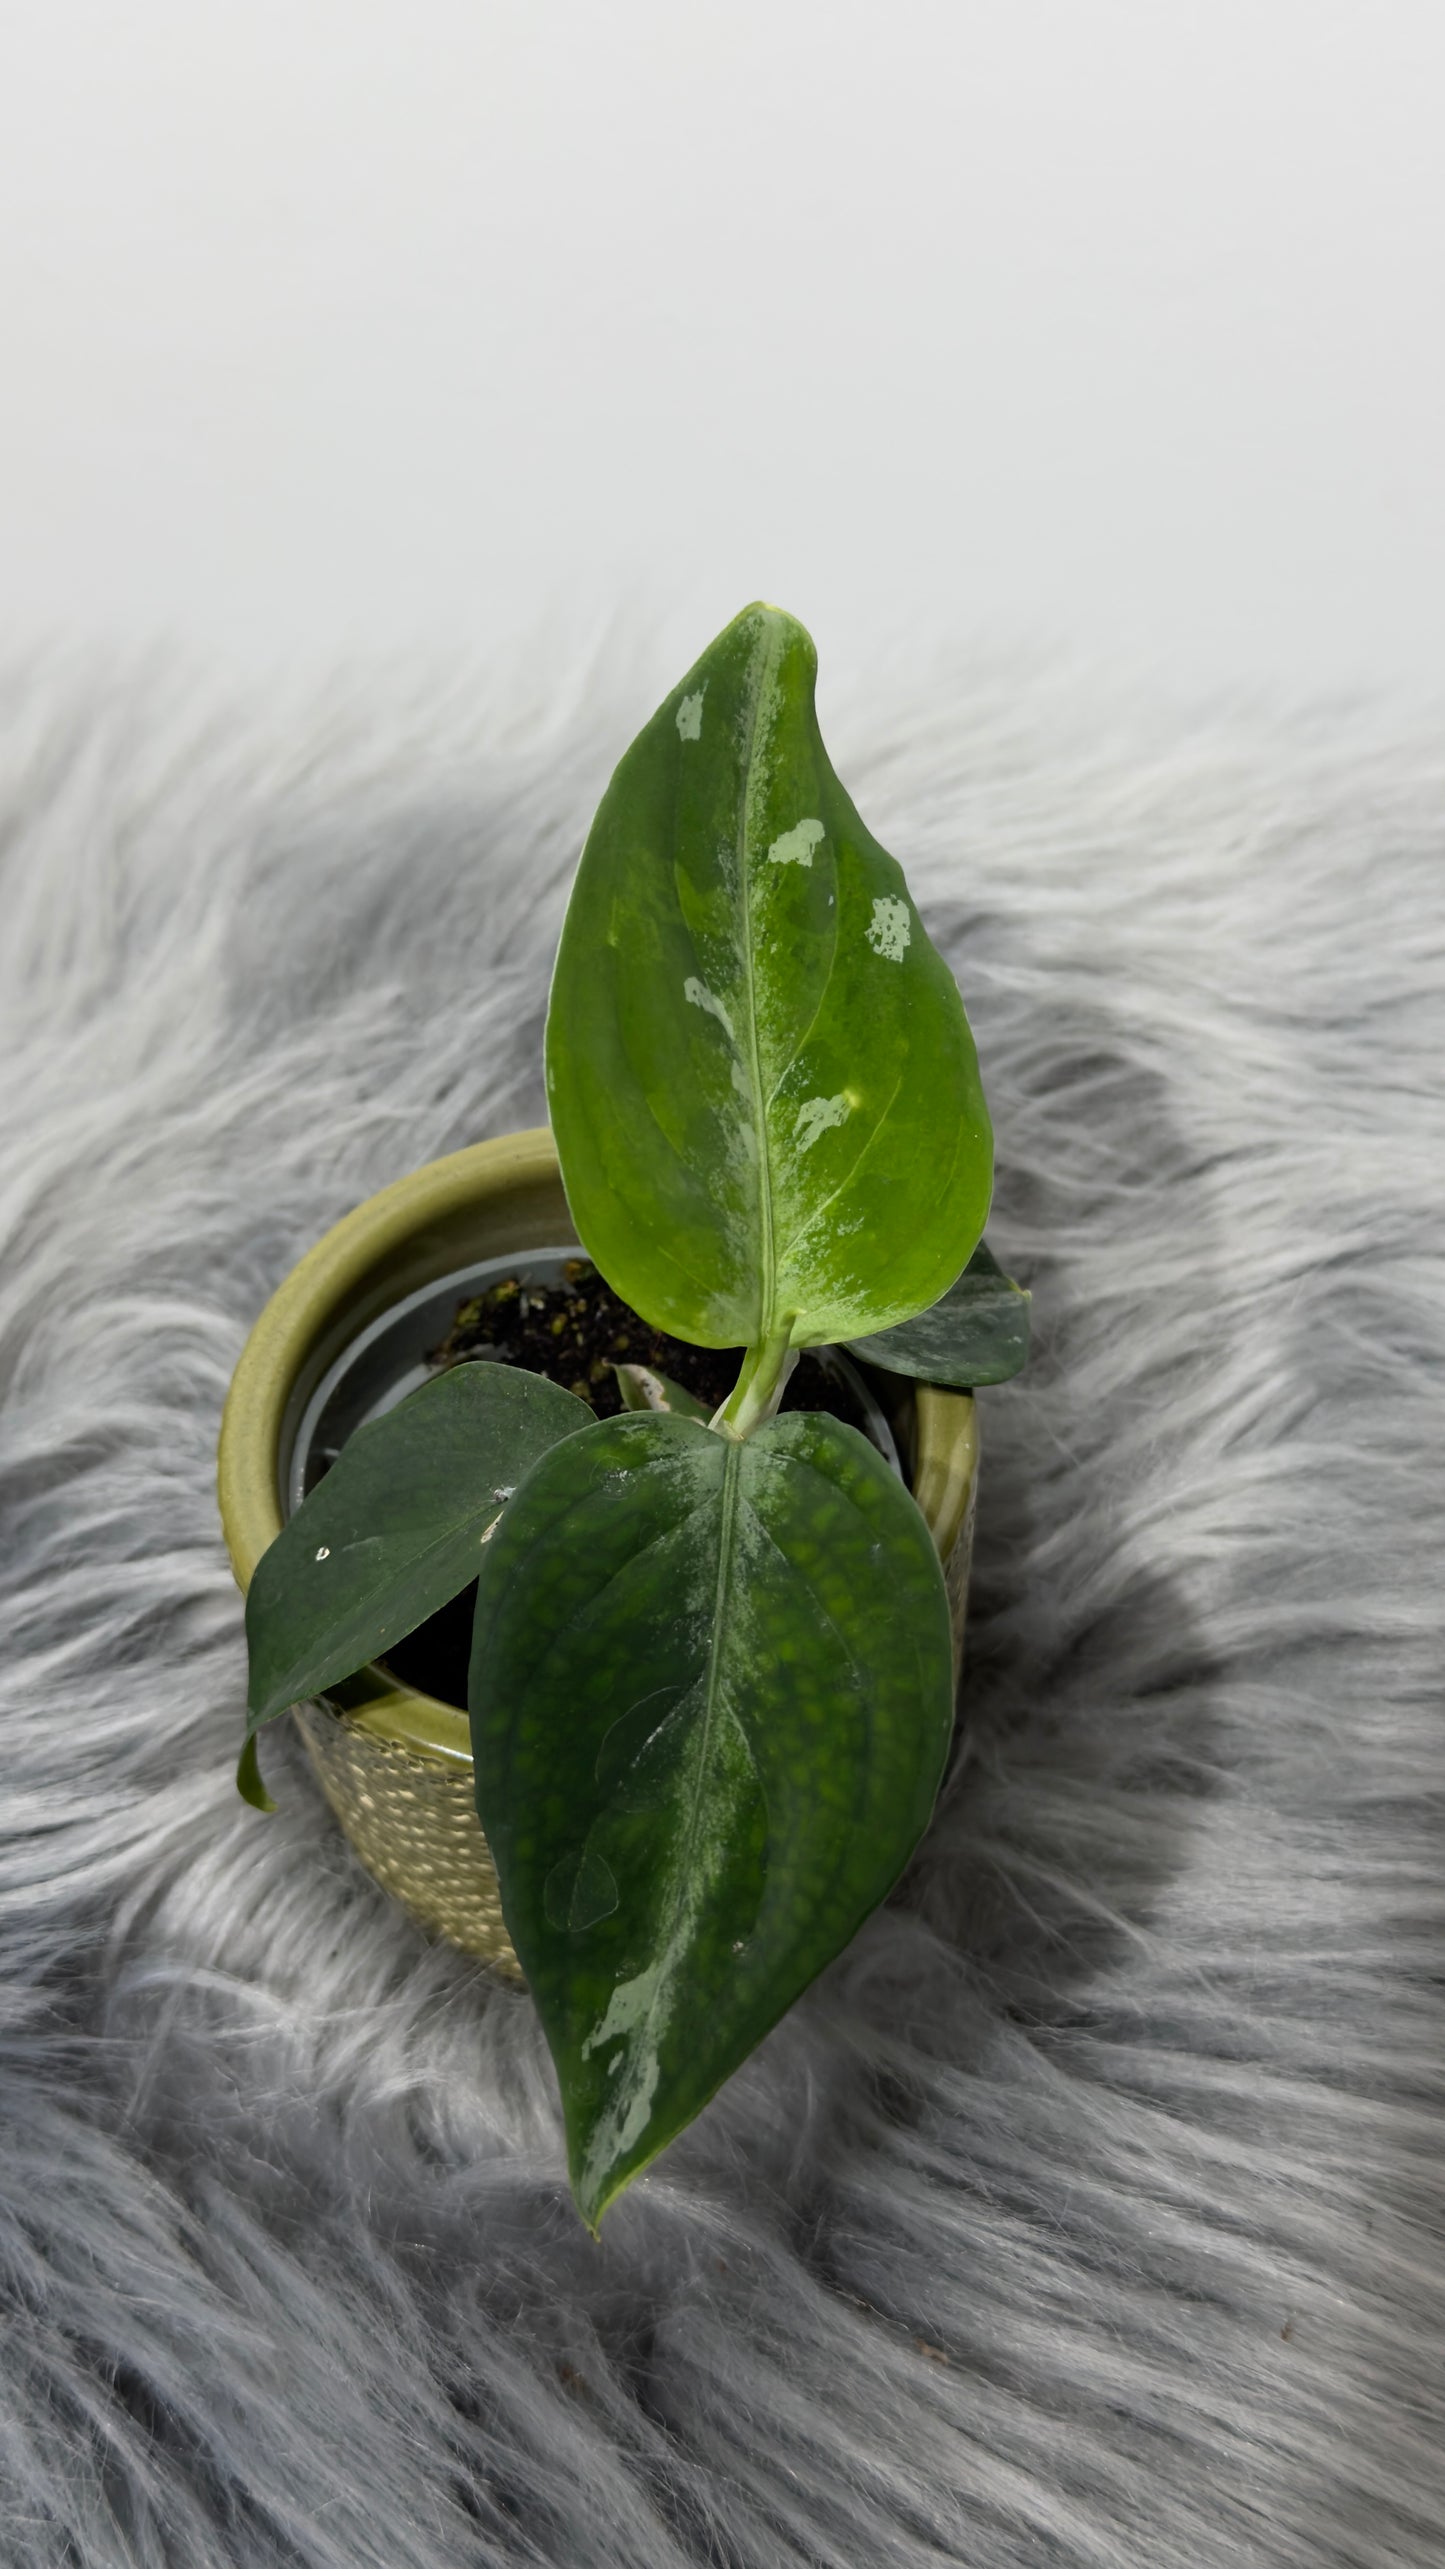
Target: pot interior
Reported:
[(388, 1359)]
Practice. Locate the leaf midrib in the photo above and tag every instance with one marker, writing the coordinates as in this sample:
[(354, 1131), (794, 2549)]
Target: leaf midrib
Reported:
[(764, 669), (729, 1508)]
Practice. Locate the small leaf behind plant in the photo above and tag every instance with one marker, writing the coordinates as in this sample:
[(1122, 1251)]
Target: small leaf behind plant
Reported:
[(978, 1332), (711, 1698), (642, 1388), (394, 1531), (762, 1083)]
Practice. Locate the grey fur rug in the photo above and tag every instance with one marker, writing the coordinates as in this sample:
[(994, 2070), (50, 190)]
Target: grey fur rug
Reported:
[(1089, 2212)]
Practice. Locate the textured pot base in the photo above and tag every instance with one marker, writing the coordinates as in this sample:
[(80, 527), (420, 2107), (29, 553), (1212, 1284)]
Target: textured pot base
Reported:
[(413, 1822)]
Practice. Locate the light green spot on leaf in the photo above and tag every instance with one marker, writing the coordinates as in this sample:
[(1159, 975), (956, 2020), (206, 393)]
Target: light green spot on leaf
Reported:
[(890, 931), (819, 1115), (796, 846)]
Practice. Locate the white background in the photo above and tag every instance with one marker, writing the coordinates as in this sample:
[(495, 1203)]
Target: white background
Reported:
[(344, 325)]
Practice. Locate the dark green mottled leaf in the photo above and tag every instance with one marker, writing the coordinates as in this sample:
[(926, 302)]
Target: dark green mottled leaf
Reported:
[(762, 1084), (395, 1529), (711, 1699), (978, 1332)]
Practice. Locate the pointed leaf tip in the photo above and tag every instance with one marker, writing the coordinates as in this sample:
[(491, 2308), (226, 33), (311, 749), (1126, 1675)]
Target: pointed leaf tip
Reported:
[(249, 1781)]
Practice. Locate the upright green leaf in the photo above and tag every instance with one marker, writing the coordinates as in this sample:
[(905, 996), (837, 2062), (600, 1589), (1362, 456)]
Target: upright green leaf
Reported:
[(762, 1084), (395, 1530), (711, 1699), (978, 1332)]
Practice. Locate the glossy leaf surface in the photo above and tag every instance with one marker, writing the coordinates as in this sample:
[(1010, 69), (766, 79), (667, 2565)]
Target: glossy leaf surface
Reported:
[(978, 1332), (711, 1700), (396, 1528), (761, 1080)]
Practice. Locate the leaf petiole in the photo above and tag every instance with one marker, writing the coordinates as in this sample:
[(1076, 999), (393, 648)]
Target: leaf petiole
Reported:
[(760, 1385)]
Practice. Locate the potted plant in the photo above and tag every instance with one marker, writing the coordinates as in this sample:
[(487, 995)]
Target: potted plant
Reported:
[(706, 1639)]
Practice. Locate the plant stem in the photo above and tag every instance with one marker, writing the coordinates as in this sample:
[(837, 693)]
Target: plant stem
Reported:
[(760, 1385)]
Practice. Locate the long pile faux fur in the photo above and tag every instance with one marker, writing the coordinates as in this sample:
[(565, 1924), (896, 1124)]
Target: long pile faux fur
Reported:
[(1088, 2211)]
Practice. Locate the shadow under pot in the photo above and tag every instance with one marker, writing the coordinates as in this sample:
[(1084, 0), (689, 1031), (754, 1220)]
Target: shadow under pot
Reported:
[(360, 1323)]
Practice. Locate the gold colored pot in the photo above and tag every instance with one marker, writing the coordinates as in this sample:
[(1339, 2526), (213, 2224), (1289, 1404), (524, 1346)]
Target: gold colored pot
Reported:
[(395, 1765)]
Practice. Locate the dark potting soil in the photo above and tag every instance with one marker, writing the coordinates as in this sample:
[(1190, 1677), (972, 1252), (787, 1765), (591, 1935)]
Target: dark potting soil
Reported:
[(574, 1333)]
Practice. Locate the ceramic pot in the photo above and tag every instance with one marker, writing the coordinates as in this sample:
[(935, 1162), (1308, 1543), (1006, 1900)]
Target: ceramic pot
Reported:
[(343, 1338)]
